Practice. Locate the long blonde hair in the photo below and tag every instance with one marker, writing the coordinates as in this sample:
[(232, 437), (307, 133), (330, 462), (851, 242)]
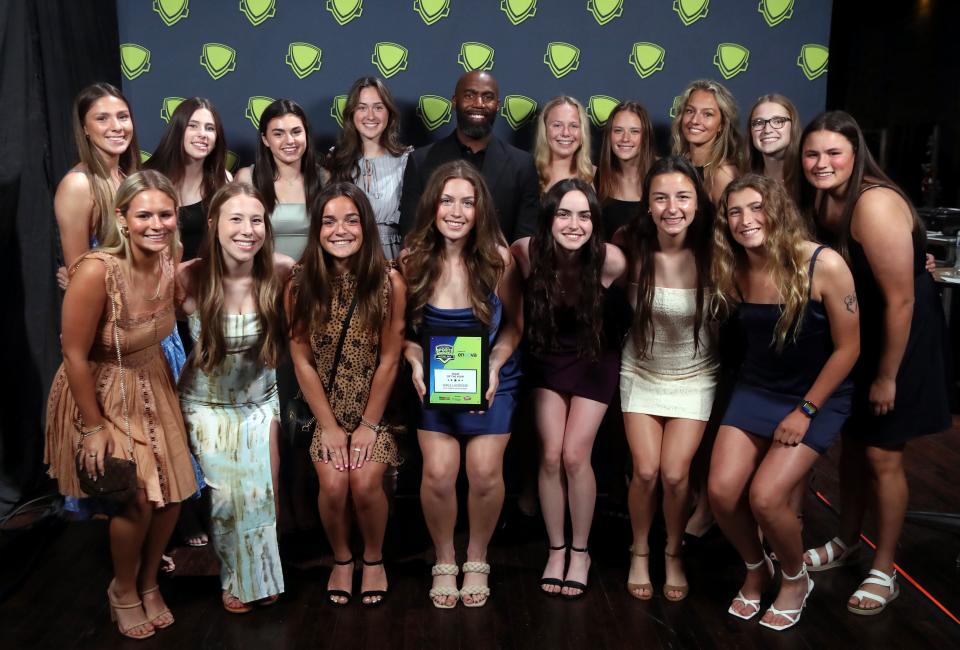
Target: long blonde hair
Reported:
[(785, 233), (132, 185), (582, 167)]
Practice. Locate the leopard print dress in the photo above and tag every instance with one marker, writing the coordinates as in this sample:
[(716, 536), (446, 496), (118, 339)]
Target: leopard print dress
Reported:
[(354, 375)]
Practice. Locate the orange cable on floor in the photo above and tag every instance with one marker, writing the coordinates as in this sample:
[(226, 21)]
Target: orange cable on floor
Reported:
[(899, 569)]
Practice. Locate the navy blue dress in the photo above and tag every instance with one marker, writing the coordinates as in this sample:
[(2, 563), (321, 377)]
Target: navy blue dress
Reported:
[(771, 384)]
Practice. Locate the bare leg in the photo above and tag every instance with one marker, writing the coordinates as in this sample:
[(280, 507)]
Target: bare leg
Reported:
[(370, 503), (441, 464), (162, 524), (332, 502), (854, 488), (680, 441), (551, 415), (127, 534), (645, 436), (484, 501), (736, 455)]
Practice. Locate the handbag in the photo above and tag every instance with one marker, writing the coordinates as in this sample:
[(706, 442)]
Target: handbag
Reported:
[(299, 421), (118, 483)]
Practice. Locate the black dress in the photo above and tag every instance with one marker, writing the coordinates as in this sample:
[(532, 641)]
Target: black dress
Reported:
[(192, 220), (617, 213)]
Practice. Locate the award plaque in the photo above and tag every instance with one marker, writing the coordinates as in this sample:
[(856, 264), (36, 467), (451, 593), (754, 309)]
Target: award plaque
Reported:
[(456, 368)]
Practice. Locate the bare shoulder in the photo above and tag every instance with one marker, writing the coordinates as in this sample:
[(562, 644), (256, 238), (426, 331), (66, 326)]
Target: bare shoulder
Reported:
[(877, 205), (727, 172), (505, 255), (283, 265), (89, 271), (830, 262), (74, 186), (245, 175), (614, 261)]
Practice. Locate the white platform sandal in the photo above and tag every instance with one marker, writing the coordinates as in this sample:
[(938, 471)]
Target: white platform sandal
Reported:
[(834, 558), (876, 577)]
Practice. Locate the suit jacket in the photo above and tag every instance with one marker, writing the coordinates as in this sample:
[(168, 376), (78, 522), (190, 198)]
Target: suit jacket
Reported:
[(509, 172)]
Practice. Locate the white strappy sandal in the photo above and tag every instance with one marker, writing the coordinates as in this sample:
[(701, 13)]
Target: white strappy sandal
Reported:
[(876, 577), (834, 558), (792, 615), (750, 602)]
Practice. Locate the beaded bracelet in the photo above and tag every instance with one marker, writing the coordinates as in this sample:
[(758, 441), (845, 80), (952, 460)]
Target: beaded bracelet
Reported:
[(87, 432)]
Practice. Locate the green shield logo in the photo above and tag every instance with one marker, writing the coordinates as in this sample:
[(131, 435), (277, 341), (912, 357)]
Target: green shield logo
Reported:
[(218, 59), (776, 11), (336, 108), (134, 60), (813, 60), (431, 11), (255, 108), (390, 58), (518, 10), (171, 11), (169, 106), (599, 108), (231, 161), (605, 10), (677, 105), (647, 58), (561, 58), (475, 56), (731, 59), (690, 11), (144, 156), (434, 110), (518, 110), (303, 58), (258, 11), (344, 11)]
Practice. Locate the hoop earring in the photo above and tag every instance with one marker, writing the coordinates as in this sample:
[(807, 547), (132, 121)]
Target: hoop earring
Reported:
[(124, 231)]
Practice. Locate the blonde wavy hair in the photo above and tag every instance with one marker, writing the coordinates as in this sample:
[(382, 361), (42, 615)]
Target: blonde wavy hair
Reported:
[(785, 233), (132, 185), (581, 165), (728, 147)]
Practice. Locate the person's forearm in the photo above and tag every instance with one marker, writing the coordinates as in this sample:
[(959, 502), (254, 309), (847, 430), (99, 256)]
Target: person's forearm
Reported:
[(897, 317)]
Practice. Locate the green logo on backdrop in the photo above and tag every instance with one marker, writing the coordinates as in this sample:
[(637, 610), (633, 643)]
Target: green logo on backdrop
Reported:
[(144, 156), (255, 108), (646, 58), (258, 11), (389, 58), (677, 105), (813, 60), (431, 11), (169, 106), (518, 10), (776, 11), (134, 60), (599, 108), (171, 11), (336, 109), (231, 161), (690, 11), (218, 59), (605, 10), (561, 58), (518, 110), (731, 59), (303, 59), (344, 11), (434, 110), (475, 56)]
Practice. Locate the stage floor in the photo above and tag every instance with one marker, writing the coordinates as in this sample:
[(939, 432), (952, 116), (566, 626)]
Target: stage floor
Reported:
[(62, 604)]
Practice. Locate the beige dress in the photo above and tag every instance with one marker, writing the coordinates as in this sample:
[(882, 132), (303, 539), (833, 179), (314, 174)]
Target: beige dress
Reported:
[(164, 469)]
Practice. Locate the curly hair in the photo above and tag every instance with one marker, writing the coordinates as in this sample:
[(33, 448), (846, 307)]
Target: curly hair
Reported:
[(610, 168), (785, 233), (580, 166), (543, 289), (791, 157), (422, 262)]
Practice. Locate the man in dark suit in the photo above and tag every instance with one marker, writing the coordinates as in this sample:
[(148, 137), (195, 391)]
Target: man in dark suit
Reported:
[(509, 172)]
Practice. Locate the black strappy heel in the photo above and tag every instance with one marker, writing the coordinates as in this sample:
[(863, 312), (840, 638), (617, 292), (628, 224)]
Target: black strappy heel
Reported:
[(382, 593), (558, 582), (573, 583), (340, 592)]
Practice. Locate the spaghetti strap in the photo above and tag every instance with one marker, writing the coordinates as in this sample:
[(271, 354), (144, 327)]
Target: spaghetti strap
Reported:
[(813, 260)]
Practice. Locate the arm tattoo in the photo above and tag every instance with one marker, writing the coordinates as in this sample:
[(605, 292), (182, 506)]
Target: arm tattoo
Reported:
[(850, 300)]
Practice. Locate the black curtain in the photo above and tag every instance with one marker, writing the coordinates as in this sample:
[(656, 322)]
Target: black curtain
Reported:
[(49, 50)]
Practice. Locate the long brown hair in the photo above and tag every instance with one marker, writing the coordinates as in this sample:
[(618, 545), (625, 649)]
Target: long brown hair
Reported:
[(423, 261), (171, 160), (642, 243), (312, 297), (344, 162), (610, 168), (543, 289), (211, 348), (103, 224), (791, 157), (265, 169)]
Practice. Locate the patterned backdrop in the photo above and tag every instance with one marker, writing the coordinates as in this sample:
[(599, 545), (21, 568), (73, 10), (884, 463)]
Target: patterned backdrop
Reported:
[(243, 53)]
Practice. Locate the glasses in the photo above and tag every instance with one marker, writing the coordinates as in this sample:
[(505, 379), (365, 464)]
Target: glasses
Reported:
[(776, 122)]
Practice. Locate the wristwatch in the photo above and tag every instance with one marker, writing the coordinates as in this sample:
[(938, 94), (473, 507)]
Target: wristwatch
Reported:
[(809, 409)]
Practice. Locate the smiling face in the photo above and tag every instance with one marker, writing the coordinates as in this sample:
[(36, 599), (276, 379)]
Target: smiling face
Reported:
[(200, 136), (109, 126), (701, 118), (828, 160), (151, 219), (241, 228), (456, 209), (563, 130), (286, 138), (673, 203), (371, 116), (341, 229), (746, 218), (476, 100), (769, 139), (626, 135), (572, 222)]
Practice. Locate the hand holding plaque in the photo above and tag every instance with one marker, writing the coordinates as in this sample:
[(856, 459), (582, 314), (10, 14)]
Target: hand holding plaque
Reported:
[(456, 368)]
